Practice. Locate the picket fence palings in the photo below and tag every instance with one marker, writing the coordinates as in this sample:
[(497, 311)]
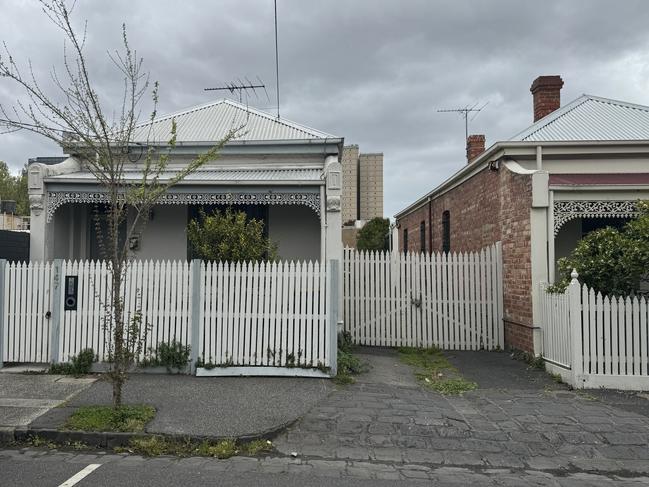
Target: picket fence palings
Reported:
[(452, 301), (611, 334)]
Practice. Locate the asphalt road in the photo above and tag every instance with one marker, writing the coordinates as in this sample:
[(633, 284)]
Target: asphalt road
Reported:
[(35, 467)]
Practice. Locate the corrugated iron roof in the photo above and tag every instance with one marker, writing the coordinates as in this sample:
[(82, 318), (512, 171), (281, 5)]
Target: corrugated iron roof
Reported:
[(213, 121), (590, 118), (288, 175)]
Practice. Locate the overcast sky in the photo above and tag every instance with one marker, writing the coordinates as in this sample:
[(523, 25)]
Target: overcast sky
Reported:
[(372, 71)]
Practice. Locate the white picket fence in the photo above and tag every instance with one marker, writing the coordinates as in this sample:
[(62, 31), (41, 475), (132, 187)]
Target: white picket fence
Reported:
[(594, 340), (256, 315), (452, 301), (264, 314)]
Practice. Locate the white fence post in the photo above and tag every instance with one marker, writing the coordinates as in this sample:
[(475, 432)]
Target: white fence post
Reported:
[(3, 310), (334, 289), (55, 312), (574, 296), (195, 297)]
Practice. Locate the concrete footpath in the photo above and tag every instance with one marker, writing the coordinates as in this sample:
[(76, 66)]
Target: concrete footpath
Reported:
[(26, 397), (186, 406)]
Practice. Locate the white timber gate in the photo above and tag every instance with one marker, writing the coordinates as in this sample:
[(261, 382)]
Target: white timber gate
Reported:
[(453, 301)]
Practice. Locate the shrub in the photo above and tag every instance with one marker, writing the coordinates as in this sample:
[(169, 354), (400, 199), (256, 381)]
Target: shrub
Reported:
[(612, 261), (172, 355), (375, 235), (79, 364), (229, 236)]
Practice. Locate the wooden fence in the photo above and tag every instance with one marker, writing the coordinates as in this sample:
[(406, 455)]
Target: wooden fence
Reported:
[(232, 315), (261, 314), (594, 340), (452, 301)]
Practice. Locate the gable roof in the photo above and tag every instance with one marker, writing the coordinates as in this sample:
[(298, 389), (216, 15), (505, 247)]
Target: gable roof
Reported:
[(590, 118), (211, 123)]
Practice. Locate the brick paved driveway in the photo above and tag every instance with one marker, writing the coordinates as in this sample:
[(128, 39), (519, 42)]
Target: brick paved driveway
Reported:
[(518, 420)]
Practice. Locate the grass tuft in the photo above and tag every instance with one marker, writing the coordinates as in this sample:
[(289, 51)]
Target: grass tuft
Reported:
[(152, 446), (348, 367), (434, 371), (107, 418)]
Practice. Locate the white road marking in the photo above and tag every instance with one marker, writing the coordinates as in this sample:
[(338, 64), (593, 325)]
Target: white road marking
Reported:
[(76, 478)]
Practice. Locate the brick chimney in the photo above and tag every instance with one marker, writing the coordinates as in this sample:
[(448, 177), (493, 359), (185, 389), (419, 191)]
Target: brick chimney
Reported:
[(474, 146), (546, 91)]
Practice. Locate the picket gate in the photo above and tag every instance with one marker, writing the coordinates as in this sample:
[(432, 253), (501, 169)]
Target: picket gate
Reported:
[(453, 301)]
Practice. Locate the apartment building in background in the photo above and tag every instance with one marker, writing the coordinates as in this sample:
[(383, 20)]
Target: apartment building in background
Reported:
[(362, 192), (362, 195)]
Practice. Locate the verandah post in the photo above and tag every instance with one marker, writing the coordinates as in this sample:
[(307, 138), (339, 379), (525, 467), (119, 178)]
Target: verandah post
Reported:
[(574, 297), (332, 315), (3, 309), (55, 327), (196, 297)]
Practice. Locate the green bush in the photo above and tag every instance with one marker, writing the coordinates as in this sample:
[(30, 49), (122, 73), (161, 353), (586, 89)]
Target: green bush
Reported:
[(612, 261), (78, 365), (375, 235), (229, 236)]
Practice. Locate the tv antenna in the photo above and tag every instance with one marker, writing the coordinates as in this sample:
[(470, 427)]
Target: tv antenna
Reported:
[(241, 87), (464, 112)]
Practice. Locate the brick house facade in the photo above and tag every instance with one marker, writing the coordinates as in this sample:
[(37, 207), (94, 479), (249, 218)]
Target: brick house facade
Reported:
[(574, 169), (491, 206)]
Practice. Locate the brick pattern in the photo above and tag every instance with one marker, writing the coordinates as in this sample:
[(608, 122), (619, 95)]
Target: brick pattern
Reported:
[(474, 146), (546, 91), (489, 207)]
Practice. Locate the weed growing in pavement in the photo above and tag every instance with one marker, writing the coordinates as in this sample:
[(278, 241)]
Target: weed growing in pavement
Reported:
[(159, 445), (107, 418), (77, 366), (37, 441), (173, 355), (348, 367), (452, 387), (534, 361), (434, 370)]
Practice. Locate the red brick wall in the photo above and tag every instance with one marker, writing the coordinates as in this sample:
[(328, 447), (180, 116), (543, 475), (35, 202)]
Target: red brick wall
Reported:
[(515, 207), (491, 206)]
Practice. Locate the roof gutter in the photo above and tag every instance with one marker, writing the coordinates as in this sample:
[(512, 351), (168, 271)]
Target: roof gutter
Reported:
[(499, 149)]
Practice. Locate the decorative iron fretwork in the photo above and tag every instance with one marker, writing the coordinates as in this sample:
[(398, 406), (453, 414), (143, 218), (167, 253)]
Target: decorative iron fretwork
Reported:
[(569, 210), (312, 200)]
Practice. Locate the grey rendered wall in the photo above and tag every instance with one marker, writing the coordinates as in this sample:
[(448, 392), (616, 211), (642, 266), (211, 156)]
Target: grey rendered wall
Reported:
[(296, 230), (165, 236)]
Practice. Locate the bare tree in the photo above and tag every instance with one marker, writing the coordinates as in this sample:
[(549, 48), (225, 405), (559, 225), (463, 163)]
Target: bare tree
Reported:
[(103, 136)]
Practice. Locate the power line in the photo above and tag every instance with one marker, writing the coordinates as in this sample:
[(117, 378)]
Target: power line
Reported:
[(276, 60)]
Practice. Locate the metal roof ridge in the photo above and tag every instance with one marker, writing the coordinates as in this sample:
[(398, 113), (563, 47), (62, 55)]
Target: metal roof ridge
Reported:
[(550, 118), (184, 111), (612, 101), (288, 123), (283, 121)]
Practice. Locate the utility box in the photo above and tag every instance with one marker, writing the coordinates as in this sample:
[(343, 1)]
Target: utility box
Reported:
[(71, 291)]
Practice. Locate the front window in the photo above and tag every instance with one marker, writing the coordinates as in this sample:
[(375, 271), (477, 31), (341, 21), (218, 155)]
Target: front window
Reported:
[(446, 231)]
